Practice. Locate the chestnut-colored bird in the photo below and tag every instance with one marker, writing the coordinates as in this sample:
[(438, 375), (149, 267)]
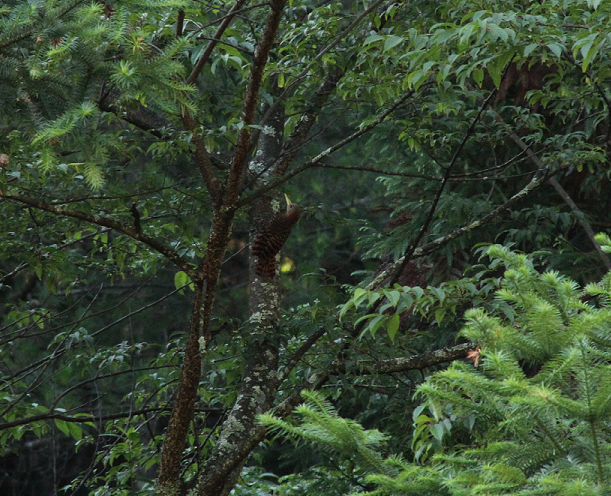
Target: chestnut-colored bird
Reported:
[(270, 240)]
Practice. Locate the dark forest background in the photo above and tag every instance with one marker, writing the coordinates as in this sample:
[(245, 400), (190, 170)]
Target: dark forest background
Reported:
[(439, 323)]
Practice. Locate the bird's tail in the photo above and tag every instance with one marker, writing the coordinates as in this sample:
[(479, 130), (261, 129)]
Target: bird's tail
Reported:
[(266, 267)]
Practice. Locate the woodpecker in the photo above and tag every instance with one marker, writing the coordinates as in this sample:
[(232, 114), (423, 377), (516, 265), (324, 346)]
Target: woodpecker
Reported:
[(270, 239)]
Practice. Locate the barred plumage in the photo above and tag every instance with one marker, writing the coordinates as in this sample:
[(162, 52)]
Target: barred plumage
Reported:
[(270, 240)]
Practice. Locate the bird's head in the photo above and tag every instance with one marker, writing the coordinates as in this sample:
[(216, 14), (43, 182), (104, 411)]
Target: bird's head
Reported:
[(292, 209)]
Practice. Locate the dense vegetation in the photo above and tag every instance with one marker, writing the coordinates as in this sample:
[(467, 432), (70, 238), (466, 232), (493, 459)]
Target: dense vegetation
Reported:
[(439, 322)]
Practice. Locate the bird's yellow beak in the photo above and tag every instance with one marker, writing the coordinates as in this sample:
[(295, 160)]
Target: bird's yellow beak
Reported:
[(288, 202)]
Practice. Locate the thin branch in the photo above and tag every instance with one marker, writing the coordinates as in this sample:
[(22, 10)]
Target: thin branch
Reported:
[(563, 194), (139, 310), (536, 181), (458, 178), (180, 20), (200, 28), (99, 220), (202, 157), (60, 348), (13, 272), (102, 377), (303, 127), (314, 161), (297, 139), (417, 362), (380, 171), (298, 355), (92, 418), (216, 37), (320, 54), (412, 246), (581, 219), (226, 43)]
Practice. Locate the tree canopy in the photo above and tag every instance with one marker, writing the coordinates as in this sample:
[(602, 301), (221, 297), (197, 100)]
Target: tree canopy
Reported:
[(438, 320)]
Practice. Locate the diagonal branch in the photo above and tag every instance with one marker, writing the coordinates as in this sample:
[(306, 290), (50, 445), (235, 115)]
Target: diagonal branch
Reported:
[(417, 362), (581, 219), (403, 364), (315, 161), (562, 192), (298, 137), (201, 154), (298, 355), (99, 220), (429, 218), (303, 127), (536, 181), (202, 157), (320, 54), (217, 36)]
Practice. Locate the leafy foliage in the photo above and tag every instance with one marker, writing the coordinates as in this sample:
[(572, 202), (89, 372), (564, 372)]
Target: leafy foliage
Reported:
[(529, 418), (140, 146)]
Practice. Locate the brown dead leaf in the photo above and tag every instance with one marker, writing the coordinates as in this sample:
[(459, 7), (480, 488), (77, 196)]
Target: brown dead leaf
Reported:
[(474, 355)]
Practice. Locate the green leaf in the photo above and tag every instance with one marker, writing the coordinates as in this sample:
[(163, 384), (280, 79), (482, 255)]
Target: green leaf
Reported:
[(375, 323), (437, 431), (373, 297), (372, 39), (347, 306), (497, 66), (62, 425), (365, 317), (439, 293), (418, 292), (181, 279), (392, 326), (478, 76), (392, 41), (556, 49), (591, 53), (75, 430), (359, 296), (528, 49), (393, 297), (439, 315)]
